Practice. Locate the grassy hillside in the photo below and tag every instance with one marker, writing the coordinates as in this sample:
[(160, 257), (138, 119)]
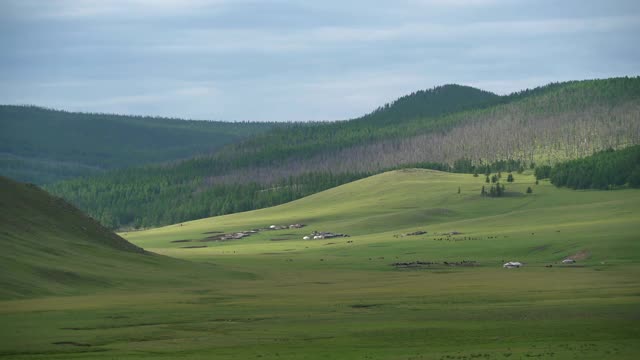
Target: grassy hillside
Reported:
[(51, 248), (342, 298), (451, 125), (42, 146), (377, 208)]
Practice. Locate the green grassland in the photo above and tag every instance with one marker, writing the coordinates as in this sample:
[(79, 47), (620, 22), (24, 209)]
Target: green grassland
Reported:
[(275, 296)]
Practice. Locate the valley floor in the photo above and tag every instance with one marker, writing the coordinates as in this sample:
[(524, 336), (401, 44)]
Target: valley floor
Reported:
[(281, 297)]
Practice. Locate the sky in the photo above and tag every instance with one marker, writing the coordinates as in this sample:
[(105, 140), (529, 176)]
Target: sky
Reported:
[(245, 60)]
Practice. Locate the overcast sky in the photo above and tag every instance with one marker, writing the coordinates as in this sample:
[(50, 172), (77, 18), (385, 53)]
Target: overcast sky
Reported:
[(298, 60)]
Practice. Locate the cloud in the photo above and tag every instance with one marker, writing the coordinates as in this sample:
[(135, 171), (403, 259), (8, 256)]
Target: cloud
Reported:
[(507, 38), (174, 94), (217, 40), (101, 9), (81, 95), (458, 3), (295, 59)]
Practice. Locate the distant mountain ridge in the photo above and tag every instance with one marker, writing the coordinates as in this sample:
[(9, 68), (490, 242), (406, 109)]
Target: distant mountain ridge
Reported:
[(42, 145), (405, 116), (305, 141), (544, 125)]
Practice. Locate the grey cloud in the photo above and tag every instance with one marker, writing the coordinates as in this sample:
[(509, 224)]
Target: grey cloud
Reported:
[(298, 60)]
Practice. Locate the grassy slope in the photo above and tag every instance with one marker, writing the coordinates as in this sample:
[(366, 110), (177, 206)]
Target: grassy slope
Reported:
[(326, 299), (51, 248), (393, 203)]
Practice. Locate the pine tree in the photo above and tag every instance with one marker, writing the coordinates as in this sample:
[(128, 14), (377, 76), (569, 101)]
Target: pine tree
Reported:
[(529, 190), (487, 179), (634, 178), (510, 178)]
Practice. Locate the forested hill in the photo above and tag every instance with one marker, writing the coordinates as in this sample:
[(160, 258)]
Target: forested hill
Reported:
[(608, 169), (402, 134), (428, 103), (408, 115), (541, 126), (41, 146)]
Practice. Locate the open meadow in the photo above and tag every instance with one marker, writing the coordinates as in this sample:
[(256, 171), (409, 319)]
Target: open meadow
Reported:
[(419, 277)]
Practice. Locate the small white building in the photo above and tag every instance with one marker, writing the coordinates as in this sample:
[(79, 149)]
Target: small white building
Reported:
[(306, 238), (512, 265), (568, 261), (272, 227)]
